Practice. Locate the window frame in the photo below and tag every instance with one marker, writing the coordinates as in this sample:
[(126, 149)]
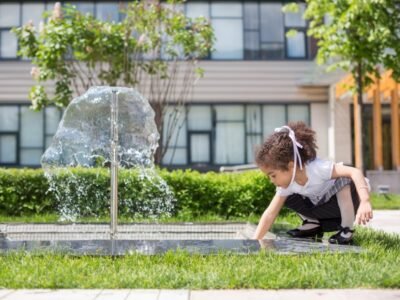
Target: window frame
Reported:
[(285, 57)]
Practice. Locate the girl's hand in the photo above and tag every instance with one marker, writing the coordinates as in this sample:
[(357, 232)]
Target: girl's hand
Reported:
[(364, 213)]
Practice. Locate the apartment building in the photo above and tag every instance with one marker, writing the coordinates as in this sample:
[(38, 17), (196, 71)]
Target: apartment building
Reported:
[(257, 79)]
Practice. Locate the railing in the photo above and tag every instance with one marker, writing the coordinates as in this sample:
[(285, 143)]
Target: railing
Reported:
[(238, 168)]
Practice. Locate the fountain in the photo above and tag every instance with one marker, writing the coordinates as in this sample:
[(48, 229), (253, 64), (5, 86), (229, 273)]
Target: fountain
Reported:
[(114, 127)]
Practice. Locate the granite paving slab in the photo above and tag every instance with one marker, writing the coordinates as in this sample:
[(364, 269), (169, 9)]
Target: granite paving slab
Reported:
[(149, 239), (151, 247)]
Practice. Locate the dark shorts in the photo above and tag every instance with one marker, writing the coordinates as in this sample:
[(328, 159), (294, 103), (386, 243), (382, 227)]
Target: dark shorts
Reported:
[(327, 211)]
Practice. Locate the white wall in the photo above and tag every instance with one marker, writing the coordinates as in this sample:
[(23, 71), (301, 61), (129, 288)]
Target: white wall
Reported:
[(343, 141), (320, 123)]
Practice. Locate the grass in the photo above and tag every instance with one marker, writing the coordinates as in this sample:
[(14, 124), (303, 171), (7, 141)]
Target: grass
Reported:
[(378, 202), (391, 201), (54, 218), (376, 267)]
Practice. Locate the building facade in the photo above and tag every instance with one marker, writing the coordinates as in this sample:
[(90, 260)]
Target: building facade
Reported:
[(257, 79)]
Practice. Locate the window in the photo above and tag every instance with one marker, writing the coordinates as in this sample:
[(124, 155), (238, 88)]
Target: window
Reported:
[(12, 15), (253, 30), (197, 9), (229, 133), (253, 130), (8, 118), (9, 15), (25, 134), (107, 11), (31, 137), (174, 136), (200, 131), (278, 115), (18, 14), (272, 35), (9, 44), (200, 151), (8, 148), (84, 7), (250, 30), (8, 135), (52, 118), (32, 12), (220, 134), (296, 45), (227, 22), (298, 112), (273, 116)]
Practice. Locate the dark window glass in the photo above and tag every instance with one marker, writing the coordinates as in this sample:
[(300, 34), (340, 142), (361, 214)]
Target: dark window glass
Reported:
[(271, 23), (252, 45), (251, 17), (272, 51)]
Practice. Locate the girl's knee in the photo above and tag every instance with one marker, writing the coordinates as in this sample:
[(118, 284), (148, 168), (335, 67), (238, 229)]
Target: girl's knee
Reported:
[(344, 192)]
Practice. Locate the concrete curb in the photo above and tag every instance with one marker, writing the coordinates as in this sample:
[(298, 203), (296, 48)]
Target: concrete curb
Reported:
[(126, 294)]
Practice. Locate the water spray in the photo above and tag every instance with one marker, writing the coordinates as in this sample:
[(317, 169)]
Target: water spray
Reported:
[(114, 165)]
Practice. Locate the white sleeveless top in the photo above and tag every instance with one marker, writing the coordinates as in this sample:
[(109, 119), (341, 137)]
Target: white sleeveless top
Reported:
[(319, 174)]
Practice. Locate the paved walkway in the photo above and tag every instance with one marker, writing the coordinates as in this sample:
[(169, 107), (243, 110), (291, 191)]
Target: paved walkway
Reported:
[(386, 220), (350, 294)]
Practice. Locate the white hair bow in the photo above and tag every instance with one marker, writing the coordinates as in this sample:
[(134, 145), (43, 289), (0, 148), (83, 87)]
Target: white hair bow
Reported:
[(296, 145)]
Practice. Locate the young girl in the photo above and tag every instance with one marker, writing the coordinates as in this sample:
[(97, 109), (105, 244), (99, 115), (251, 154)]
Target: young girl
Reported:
[(324, 194)]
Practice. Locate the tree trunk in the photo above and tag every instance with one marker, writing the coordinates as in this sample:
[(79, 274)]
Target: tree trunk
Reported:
[(157, 107), (360, 114)]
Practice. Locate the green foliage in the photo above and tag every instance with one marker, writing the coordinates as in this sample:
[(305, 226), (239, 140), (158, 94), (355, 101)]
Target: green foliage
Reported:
[(391, 201), (78, 51), (225, 195), (355, 33), (25, 191)]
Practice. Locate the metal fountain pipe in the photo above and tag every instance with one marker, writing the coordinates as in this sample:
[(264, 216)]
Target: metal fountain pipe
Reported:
[(114, 165)]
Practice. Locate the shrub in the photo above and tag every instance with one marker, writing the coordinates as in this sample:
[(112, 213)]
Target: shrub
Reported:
[(226, 194), (26, 191)]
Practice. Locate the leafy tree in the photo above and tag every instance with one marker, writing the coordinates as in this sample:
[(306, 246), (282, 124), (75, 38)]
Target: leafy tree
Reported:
[(154, 49), (358, 36)]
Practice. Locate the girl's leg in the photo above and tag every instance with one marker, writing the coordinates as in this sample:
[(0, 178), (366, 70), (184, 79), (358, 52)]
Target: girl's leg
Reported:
[(308, 223), (302, 206), (341, 209), (347, 212), (333, 214)]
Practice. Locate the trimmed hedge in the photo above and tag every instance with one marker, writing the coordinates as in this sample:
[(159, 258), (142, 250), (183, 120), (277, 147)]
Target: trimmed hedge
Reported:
[(26, 191), (222, 194)]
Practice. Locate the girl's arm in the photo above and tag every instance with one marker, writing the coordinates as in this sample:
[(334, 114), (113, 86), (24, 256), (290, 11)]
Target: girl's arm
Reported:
[(364, 212), (269, 216)]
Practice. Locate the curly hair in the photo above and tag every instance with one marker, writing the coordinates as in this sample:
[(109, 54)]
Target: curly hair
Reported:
[(277, 150)]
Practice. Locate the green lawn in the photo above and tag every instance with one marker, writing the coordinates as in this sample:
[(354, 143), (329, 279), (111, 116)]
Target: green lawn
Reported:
[(392, 201), (377, 267), (378, 202)]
